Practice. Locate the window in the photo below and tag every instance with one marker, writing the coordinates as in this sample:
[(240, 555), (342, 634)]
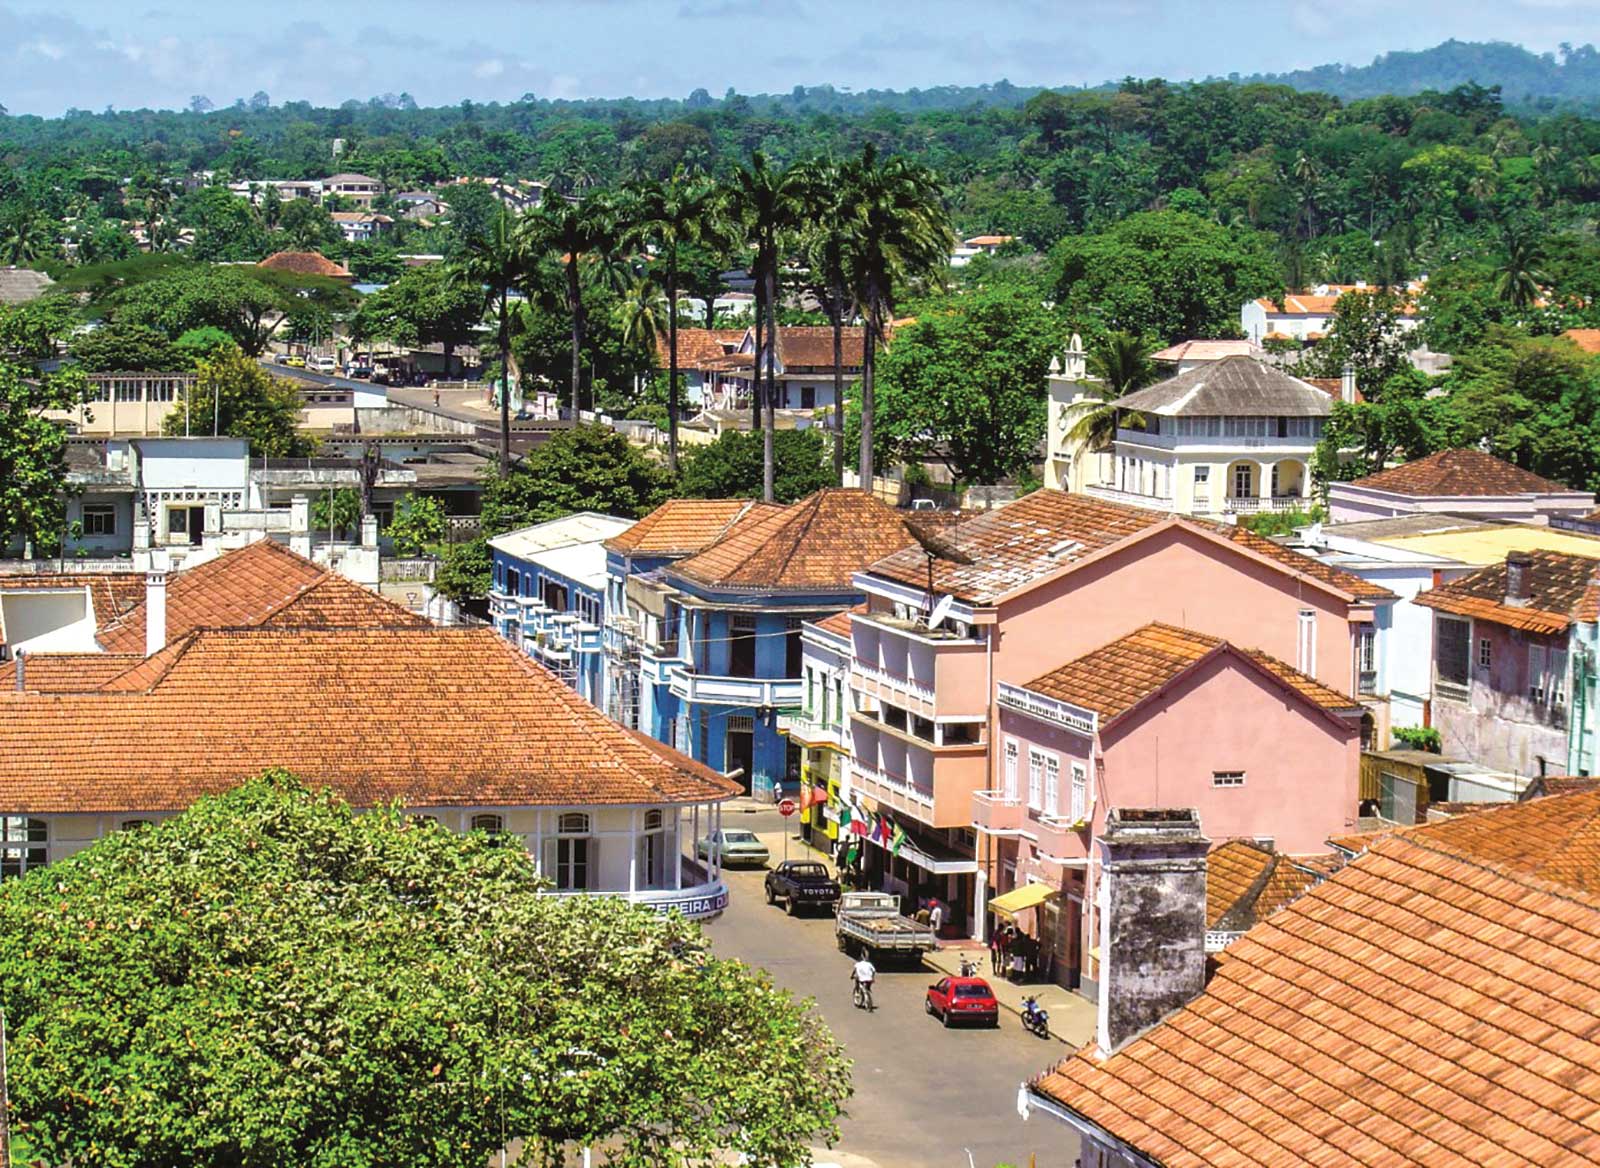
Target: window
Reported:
[(1558, 677), (130, 390), (573, 863), (1010, 776), (24, 845), (1536, 673), (1202, 476), (1080, 793), (1052, 785), (1547, 675), (653, 820), (177, 521), (811, 695), (1243, 481), (488, 822), (134, 824), (99, 519), (1485, 653), (573, 823), (1035, 779), (1306, 645), (1397, 798), (1366, 660), (1451, 639), (1227, 778)]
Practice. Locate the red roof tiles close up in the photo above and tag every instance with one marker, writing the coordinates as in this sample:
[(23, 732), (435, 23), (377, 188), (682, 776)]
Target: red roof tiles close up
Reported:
[(1463, 472)]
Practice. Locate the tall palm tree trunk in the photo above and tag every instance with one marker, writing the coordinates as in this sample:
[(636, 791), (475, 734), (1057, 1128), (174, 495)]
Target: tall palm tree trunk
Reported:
[(672, 361), (869, 363), (836, 315), (505, 383), (768, 456), (575, 305), (755, 368)]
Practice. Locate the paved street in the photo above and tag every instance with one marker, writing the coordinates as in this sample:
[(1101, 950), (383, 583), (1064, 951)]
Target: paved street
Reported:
[(924, 1095)]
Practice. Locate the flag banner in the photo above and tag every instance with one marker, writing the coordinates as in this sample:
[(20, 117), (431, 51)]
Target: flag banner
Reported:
[(805, 796), (897, 840), (819, 796)]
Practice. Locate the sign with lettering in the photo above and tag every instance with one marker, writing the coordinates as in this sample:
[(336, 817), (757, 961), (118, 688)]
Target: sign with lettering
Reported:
[(694, 905)]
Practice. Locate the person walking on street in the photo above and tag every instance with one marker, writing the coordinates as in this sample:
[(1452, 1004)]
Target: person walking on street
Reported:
[(995, 953), (936, 918)]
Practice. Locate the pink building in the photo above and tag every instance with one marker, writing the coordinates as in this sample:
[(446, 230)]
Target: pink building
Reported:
[(1007, 596), (1160, 717)]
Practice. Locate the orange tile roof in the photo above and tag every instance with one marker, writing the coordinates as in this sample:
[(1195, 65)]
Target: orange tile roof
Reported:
[(1246, 883), (261, 583), (679, 527), (811, 347), (1561, 588), (1044, 532), (305, 263), (436, 717), (1311, 304), (1430, 1004), (818, 543), (1564, 785), (839, 623), (1114, 678), (697, 346), (1587, 339), (1460, 472), (67, 672)]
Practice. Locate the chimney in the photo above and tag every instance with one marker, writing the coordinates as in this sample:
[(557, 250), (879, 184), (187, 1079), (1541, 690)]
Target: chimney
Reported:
[(1152, 919), (1347, 384), (1519, 579), (22, 661), (369, 531), (155, 602), (300, 526)]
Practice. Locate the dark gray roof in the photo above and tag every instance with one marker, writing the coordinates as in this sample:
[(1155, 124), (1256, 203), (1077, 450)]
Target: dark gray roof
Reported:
[(1236, 386), (19, 285)]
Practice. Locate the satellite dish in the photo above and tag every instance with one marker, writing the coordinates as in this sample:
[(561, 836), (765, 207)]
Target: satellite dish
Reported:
[(940, 611)]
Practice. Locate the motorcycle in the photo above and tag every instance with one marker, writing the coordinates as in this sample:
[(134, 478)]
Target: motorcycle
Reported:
[(1035, 1018), (969, 967)]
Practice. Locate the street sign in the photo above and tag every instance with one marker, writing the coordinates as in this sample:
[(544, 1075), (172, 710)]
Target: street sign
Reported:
[(787, 807)]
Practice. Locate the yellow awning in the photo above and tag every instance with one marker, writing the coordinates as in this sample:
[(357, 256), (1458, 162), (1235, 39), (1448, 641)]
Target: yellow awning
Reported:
[(1027, 896)]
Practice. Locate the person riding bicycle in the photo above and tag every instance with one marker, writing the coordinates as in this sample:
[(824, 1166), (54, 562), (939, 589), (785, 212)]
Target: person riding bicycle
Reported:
[(862, 975)]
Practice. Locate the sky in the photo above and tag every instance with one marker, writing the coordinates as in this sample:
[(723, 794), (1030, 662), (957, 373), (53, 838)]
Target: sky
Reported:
[(89, 54)]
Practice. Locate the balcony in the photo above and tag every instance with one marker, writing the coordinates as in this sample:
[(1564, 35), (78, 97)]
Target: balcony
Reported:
[(1131, 498), (809, 731), (586, 638), (893, 790), (1217, 441), (1063, 838), (1367, 682), (711, 690), (996, 812), (1252, 505)]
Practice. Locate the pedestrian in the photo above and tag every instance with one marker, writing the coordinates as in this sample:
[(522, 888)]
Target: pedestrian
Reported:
[(936, 917), (1005, 949), (436, 395), (995, 952)]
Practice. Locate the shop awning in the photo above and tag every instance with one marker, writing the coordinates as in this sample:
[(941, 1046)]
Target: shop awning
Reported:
[(1027, 896)]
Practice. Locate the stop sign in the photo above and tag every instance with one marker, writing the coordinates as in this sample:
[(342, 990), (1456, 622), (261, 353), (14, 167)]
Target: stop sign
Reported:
[(787, 807)]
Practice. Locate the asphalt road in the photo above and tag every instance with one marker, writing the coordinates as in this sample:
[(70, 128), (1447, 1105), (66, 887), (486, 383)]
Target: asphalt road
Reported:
[(925, 1096)]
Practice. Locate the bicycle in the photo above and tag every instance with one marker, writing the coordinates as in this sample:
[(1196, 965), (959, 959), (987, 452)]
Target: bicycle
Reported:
[(863, 996)]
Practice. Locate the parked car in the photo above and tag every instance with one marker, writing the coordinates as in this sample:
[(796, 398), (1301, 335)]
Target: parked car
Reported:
[(962, 999), (737, 846), (322, 363), (293, 360), (360, 370), (798, 884)]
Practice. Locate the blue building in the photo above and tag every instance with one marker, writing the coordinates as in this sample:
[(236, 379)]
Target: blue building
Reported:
[(716, 632), (547, 595)]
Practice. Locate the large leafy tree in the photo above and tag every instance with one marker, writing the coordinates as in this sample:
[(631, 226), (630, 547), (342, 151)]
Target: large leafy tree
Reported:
[(127, 348), (425, 306), (900, 230), (33, 461), (1166, 274), (1366, 336), (585, 468), (233, 395), (271, 978), (248, 304), (1362, 438), (733, 466), (965, 384)]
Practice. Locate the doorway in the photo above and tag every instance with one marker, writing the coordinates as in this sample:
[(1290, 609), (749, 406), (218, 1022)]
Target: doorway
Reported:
[(739, 749)]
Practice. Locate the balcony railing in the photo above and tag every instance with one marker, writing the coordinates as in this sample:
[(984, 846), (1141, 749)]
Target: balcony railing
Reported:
[(811, 731), (713, 690), (897, 791), (1251, 504), (586, 638), (1367, 682), (996, 812), (895, 681), (1217, 441), (1131, 498)]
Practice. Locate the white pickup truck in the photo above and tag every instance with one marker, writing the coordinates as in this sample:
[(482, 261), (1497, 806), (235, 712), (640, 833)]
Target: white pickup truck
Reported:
[(870, 923)]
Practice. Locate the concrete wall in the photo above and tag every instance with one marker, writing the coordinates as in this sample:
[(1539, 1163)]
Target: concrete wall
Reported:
[(39, 621), (1499, 726)]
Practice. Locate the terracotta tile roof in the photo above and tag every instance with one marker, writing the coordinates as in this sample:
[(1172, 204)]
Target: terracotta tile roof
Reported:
[(679, 527), (305, 263), (1587, 339), (1556, 839), (1563, 785), (1206, 350), (1561, 588), (437, 717), (1045, 532), (67, 672), (1460, 472), (262, 583), (1426, 1005), (698, 346), (1246, 883), (811, 347), (839, 623), (1233, 386), (1115, 678), (1311, 304), (818, 543)]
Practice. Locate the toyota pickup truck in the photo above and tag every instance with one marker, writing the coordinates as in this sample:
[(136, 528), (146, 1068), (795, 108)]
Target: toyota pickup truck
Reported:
[(870, 923), (802, 884)]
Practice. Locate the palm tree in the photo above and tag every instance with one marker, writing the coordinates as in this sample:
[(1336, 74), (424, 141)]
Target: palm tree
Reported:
[(573, 231), (769, 202), (1520, 279), (1121, 363), (900, 229), (644, 313), (498, 260), (668, 214), (828, 249), (1306, 172), (24, 238)]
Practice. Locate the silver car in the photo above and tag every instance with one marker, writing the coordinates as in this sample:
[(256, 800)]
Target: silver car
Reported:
[(738, 847)]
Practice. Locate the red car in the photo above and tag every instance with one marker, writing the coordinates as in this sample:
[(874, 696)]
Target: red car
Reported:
[(962, 999)]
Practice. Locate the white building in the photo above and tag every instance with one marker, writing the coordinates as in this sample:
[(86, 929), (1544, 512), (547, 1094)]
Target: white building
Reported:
[(1307, 316)]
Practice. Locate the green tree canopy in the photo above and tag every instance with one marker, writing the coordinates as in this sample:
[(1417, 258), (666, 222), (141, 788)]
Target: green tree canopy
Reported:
[(965, 384), (129, 348), (425, 306), (1166, 274), (418, 525), (234, 395), (730, 467), (241, 305), (33, 459), (585, 468), (271, 978)]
